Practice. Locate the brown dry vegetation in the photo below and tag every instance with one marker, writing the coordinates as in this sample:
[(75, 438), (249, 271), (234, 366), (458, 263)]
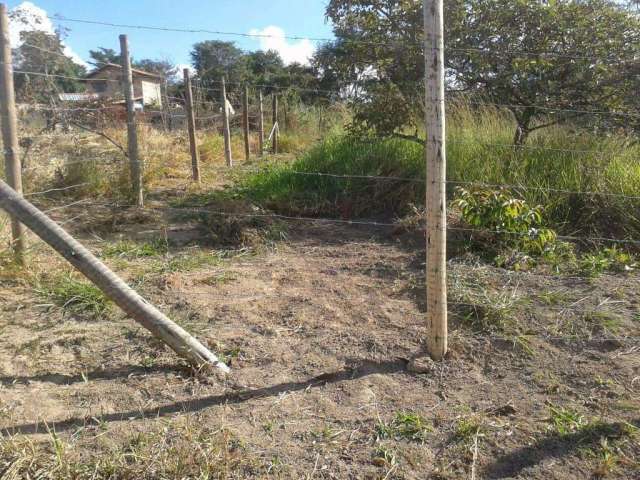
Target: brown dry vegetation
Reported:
[(319, 322)]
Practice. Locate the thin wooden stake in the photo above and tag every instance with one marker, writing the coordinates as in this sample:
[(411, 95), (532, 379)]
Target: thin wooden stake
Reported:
[(245, 123), (111, 285), (261, 124), (225, 126), (132, 128), (191, 126), (9, 121), (435, 153), (274, 140)]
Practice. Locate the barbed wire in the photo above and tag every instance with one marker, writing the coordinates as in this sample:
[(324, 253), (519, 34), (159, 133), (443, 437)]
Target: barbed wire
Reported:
[(84, 201), (400, 42), (344, 91), (58, 189), (67, 77), (398, 224), (460, 182)]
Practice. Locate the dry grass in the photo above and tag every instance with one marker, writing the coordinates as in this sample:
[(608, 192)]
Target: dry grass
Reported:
[(170, 450)]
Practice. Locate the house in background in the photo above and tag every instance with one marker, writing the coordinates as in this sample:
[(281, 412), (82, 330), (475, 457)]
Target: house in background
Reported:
[(106, 82)]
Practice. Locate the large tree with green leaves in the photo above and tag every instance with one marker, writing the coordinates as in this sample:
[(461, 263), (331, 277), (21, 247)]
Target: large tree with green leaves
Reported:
[(214, 59), (538, 58), (52, 71)]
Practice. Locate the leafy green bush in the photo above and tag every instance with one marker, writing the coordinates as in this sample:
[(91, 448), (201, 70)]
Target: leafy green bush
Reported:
[(612, 259), (509, 220)]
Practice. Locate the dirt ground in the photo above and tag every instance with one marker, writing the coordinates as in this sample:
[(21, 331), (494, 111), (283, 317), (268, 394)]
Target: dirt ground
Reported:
[(320, 325)]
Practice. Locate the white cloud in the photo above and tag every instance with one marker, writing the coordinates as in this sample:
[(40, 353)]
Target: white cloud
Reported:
[(299, 51), (179, 75), (28, 17), (180, 68)]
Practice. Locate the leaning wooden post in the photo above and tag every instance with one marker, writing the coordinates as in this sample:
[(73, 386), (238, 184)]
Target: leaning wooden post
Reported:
[(225, 126), (435, 152), (132, 130), (274, 140), (245, 123), (260, 124), (113, 287), (9, 121), (191, 126)]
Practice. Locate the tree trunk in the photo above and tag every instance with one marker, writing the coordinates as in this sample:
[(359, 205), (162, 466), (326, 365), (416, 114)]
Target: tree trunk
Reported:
[(521, 135)]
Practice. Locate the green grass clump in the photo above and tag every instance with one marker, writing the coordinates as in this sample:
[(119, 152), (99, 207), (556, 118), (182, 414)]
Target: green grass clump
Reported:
[(467, 428), (287, 188), (404, 426), (566, 420), (75, 296), (127, 249)]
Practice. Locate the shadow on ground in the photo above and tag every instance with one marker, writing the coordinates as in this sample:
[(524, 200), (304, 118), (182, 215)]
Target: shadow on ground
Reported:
[(554, 445), (358, 368)]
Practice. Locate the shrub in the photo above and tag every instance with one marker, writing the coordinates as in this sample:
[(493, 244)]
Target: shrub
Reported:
[(509, 220), (614, 259)]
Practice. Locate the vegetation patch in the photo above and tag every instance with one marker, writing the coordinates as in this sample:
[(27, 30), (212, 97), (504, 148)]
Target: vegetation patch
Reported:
[(332, 178), (183, 451), (503, 222), (75, 296), (128, 249), (407, 426)]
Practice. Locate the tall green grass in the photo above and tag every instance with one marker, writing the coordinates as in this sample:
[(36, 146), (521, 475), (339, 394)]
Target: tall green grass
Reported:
[(478, 150)]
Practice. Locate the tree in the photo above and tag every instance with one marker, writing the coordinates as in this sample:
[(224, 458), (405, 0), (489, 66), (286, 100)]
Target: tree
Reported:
[(53, 72), (377, 57), (214, 59), (102, 56), (541, 58), (164, 68), (264, 66), (538, 57)]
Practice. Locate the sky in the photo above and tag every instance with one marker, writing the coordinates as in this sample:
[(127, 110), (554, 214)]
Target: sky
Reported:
[(275, 18)]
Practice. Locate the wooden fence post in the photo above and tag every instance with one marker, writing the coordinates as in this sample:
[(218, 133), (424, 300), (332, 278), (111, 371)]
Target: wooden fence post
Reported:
[(113, 287), (261, 124), (435, 154), (191, 126), (9, 121), (245, 123), (225, 126), (132, 130), (274, 140)]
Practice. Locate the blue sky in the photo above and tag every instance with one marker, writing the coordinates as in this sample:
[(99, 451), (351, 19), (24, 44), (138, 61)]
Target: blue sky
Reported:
[(293, 17)]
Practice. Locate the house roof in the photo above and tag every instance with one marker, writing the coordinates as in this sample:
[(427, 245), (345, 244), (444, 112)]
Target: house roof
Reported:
[(78, 97), (134, 71)]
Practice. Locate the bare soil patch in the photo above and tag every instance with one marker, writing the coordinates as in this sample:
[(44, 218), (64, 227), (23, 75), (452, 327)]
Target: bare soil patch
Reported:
[(320, 327)]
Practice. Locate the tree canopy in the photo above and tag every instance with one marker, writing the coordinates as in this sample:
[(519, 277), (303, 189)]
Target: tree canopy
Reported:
[(213, 59), (535, 57), (43, 54)]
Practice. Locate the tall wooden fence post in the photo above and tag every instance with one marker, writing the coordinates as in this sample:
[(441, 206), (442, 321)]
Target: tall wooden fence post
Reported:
[(132, 130), (245, 123), (261, 124), (191, 126), (274, 139), (435, 154), (225, 126), (111, 285), (9, 121)]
